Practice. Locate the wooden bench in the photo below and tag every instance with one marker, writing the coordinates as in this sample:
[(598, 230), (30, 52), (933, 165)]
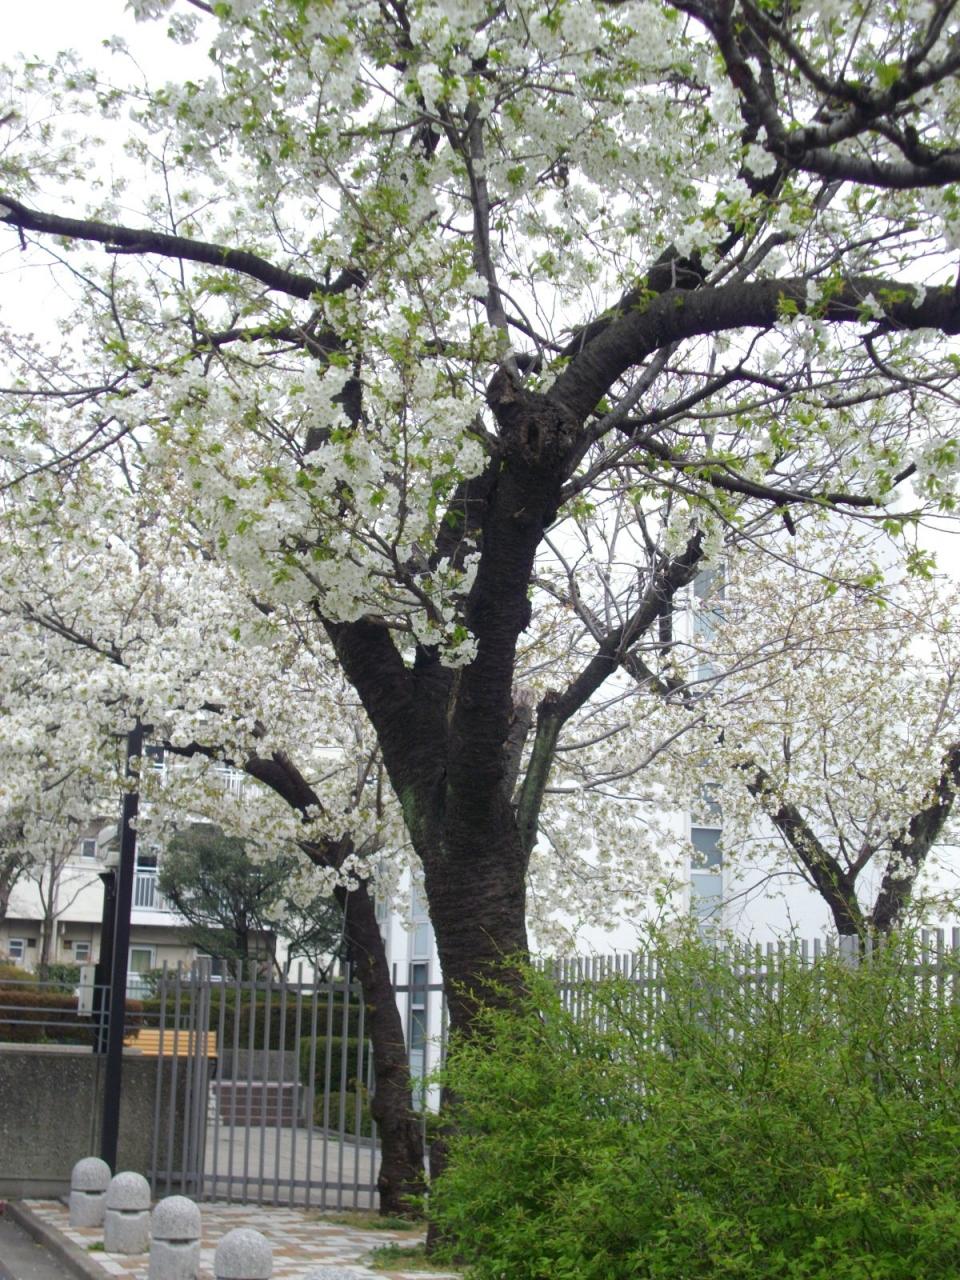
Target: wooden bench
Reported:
[(153, 1043)]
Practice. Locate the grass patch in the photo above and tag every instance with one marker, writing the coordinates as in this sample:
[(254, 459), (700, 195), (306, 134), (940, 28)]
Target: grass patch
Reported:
[(96, 1247), (403, 1257), (370, 1222)]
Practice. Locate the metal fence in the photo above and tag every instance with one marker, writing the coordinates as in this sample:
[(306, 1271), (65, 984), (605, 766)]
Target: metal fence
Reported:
[(932, 956), (277, 1073), (263, 1083)]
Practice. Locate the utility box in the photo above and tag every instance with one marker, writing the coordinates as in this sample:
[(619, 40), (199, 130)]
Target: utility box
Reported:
[(88, 980)]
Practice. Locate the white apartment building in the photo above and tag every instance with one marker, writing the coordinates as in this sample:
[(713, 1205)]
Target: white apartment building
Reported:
[(74, 909), (73, 919)]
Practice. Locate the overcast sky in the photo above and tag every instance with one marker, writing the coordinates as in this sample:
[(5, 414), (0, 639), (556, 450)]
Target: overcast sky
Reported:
[(45, 26)]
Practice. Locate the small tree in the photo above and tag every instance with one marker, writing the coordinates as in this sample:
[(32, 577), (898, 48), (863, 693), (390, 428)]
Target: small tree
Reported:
[(234, 905), (15, 858)]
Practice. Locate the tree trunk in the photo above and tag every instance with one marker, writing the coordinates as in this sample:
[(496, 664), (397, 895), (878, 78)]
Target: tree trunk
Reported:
[(477, 899), (12, 867), (476, 887), (48, 923), (400, 1181)]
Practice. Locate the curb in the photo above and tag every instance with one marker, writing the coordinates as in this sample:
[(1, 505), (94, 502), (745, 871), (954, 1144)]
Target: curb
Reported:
[(78, 1264)]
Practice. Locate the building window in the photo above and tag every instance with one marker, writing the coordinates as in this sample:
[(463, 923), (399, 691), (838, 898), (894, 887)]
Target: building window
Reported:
[(707, 612), (88, 848), (17, 949), (421, 938), (417, 1026), (141, 960), (81, 952), (706, 875)]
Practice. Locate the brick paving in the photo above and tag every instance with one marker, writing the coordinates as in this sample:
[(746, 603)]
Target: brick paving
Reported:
[(302, 1240)]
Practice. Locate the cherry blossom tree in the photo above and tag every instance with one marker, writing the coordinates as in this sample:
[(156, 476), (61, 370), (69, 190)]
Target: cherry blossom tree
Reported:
[(160, 642), (818, 702), (403, 310)]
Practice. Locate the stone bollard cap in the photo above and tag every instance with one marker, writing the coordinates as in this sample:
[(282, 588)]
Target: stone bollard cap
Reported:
[(128, 1191), (175, 1218), (243, 1254), (90, 1174)]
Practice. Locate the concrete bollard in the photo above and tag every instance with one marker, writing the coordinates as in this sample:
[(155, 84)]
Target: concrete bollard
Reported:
[(243, 1254), (175, 1240), (126, 1222), (89, 1180)]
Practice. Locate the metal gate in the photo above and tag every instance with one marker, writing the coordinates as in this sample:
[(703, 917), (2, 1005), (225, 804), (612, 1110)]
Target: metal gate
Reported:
[(263, 1089)]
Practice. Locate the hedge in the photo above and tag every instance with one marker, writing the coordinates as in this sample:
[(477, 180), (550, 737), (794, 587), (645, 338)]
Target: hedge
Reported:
[(237, 1022), (345, 1096), (33, 1015)]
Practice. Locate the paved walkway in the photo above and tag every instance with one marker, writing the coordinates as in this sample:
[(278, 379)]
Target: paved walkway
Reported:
[(302, 1240), (22, 1258), (291, 1161)]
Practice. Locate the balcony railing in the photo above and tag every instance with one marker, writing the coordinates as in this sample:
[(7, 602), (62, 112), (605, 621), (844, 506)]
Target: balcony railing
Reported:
[(146, 895)]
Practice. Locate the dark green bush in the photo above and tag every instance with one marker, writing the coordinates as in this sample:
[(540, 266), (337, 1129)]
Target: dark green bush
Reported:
[(64, 976), (344, 1104), (342, 1065), (345, 1075), (239, 1014), (803, 1128)]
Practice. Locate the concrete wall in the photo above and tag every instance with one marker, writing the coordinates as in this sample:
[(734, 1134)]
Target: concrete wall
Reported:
[(50, 1106)]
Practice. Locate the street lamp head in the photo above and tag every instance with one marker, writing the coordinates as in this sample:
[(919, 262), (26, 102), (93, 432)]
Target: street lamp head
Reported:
[(108, 846)]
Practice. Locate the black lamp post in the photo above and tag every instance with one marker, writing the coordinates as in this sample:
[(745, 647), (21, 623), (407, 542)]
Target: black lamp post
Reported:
[(117, 960), (101, 979)]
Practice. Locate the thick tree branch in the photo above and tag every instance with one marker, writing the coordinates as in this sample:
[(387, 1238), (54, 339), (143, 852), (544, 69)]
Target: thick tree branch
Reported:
[(904, 175), (912, 844), (676, 315), (408, 711), (144, 241), (833, 883), (536, 437), (720, 475), (556, 709)]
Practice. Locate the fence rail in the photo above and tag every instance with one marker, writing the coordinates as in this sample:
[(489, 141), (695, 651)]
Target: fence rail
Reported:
[(932, 957)]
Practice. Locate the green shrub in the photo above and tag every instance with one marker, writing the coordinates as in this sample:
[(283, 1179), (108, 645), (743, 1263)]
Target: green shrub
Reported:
[(66, 977), (796, 1129), (338, 1070), (342, 1078), (344, 1104)]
